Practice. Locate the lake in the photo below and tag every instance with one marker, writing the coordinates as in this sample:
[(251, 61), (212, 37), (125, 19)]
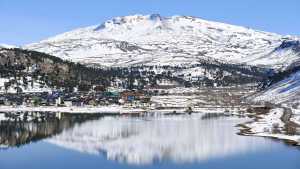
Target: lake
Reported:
[(183, 141)]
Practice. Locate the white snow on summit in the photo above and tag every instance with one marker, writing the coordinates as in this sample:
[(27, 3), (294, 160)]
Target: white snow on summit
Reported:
[(157, 40), (7, 46)]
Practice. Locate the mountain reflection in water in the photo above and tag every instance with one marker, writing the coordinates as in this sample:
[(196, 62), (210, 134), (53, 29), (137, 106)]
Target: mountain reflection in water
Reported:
[(145, 140)]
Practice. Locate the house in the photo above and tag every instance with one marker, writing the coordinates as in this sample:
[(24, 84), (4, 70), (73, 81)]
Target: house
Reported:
[(36, 101), (68, 103), (44, 102), (14, 100), (92, 102), (145, 99), (2, 100), (112, 96), (129, 96), (58, 101), (77, 102), (8, 102), (98, 88), (167, 84)]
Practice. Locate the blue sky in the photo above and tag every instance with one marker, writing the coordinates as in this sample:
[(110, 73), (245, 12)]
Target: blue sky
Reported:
[(27, 21)]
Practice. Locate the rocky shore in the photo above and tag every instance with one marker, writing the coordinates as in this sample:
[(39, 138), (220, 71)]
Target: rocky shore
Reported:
[(274, 123)]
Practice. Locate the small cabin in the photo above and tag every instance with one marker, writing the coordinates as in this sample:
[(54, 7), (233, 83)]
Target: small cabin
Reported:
[(129, 96)]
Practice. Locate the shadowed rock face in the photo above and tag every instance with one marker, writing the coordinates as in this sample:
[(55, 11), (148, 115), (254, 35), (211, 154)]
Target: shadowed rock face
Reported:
[(156, 17), (290, 44)]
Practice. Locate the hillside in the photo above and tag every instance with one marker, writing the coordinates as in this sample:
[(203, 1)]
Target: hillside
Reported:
[(31, 71), (285, 88), (23, 70)]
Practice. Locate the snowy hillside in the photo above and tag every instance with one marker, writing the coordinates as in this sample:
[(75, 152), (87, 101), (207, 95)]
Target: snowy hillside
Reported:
[(287, 90), (7, 46), (11, 85), (176, 40), (31, 71)]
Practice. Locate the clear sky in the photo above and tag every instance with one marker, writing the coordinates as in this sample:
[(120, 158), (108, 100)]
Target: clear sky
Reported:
[(27, 21)]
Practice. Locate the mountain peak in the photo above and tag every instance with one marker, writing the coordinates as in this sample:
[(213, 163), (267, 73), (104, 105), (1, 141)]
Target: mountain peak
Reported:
[(130, 20), (156, 17), (154, 21), (7, 46)]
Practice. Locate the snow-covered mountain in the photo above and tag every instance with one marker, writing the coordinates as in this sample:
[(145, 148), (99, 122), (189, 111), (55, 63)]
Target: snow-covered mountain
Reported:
[(173, 41)]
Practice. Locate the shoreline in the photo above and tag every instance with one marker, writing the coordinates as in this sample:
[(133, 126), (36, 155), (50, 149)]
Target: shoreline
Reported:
[(117, 109), (260, 127)]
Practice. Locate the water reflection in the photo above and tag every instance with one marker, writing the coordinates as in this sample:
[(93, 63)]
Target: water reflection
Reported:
[(17, 129), (146, 140)]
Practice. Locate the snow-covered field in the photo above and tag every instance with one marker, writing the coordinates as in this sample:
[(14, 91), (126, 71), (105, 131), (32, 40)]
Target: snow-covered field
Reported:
[(271, 125), (34, 87), (268, 122)]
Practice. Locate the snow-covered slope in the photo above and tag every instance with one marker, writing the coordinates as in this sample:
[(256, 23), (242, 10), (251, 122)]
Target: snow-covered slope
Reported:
[(16, 86), (176, 40), (287, 90), (7, 46)]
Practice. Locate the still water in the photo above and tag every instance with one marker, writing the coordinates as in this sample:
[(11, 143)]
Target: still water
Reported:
[(196, 141)]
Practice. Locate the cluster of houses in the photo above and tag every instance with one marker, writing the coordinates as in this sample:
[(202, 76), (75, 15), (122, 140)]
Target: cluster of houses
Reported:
[(95, 98)]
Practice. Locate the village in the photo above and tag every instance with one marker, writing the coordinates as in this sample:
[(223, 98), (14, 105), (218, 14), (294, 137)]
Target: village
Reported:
[(166, 98), (97, 96), (78, 98)]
